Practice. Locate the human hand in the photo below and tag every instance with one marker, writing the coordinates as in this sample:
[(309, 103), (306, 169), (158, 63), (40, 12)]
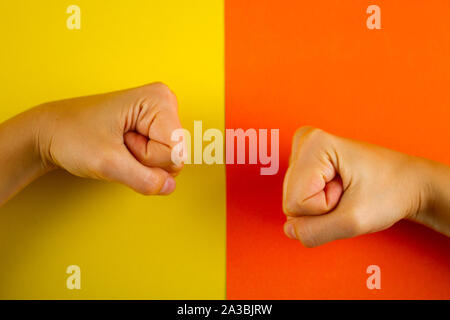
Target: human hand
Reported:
[(122, 136), (338, 188)]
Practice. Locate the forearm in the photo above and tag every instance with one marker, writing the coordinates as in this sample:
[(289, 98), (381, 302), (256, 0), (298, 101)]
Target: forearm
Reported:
[(436, 211), (20, 161)]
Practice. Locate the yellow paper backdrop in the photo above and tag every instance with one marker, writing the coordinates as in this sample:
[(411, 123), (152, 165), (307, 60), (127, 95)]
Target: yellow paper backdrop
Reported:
[(128, 246)]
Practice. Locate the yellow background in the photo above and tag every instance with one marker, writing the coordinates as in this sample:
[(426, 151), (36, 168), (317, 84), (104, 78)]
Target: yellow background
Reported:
[(127, 245)]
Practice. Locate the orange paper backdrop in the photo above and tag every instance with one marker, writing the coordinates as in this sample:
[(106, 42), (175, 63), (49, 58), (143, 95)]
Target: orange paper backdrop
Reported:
[(295, 63)]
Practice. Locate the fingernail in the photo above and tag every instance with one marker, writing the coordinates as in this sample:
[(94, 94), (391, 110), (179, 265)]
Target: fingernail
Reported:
[(168, 187), (290, 231)]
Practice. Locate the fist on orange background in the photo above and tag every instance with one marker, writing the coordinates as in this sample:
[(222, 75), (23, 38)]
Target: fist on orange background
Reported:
[(338, 188)]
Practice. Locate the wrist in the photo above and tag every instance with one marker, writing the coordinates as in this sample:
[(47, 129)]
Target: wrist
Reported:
[(42, 137), (22, 163), (434, 180)]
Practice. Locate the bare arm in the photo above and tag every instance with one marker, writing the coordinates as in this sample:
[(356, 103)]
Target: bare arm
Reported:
[(338, 188), (20, 162)]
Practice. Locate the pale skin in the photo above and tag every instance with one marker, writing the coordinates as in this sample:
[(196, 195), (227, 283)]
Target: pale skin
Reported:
[(337, 188), (334, 188), (123, 136)]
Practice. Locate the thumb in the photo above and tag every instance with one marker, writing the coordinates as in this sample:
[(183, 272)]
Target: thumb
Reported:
[(314, 231), (149, 152), (124, 168)]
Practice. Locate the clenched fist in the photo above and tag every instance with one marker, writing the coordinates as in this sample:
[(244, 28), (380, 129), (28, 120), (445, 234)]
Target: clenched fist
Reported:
[(122, 136), (337, 188)]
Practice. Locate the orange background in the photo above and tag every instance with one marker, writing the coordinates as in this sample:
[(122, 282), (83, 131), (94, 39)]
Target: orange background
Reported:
[(295, 63)]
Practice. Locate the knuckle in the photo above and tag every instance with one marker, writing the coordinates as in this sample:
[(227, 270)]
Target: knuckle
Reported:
[(305, 235), (310, 136), (302, 130), (164, 93), (161, 87), (317, 135), (148, 189), (291, 206), (152, 184)]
